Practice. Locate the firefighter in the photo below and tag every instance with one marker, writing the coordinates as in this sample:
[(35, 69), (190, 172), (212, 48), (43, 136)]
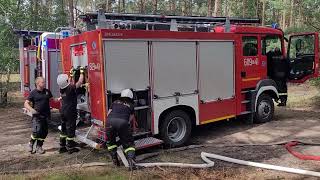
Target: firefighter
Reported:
[(120, 115), (39, 99), (278, 71), (282, 80), (69, 110)]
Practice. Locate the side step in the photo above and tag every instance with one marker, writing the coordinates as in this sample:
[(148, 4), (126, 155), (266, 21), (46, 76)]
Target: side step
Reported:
[(147, 142), (245, 112), (139, 144)]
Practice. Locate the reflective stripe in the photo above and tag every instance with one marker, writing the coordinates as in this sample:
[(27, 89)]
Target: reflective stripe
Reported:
[(129, 149), (283, 94), (70, 139), (33, 137), (112, 147), (63, 136)]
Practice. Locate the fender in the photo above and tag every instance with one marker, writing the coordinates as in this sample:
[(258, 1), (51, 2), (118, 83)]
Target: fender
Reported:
[(265, 85)]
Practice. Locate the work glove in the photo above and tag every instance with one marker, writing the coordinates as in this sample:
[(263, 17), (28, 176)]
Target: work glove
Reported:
[(82, 70), (72, 71)]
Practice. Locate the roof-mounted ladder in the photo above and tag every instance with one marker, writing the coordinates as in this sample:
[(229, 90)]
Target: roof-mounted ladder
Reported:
[(101, 19)]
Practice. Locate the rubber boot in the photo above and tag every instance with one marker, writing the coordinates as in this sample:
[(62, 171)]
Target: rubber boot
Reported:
[(63, 148), (30, 146), (114, 157), (40, 150), (283, 101), (72, 146), (131, 157)]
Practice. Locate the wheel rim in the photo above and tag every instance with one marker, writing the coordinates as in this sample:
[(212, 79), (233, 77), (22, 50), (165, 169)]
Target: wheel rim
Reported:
[(264, 109), (176, 129)]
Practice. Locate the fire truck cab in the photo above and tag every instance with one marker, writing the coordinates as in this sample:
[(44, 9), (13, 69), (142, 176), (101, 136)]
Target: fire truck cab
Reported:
[(182, 79)]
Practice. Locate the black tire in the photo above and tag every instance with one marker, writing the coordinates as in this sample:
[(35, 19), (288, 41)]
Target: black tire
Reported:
[(264, 109), (173, 121)]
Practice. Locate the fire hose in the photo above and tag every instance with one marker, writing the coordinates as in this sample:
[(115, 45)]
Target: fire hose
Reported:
[(209, 163), (289, 146)]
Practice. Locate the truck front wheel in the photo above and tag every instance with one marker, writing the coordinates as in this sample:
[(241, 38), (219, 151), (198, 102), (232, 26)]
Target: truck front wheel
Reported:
[(175, 128), (264, 109)]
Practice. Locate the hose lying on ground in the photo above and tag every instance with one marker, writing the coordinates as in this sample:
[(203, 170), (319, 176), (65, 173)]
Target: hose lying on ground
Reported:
[(289, 146), (208, 163)]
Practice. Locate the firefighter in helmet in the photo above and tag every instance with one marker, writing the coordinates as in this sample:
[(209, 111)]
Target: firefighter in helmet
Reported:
[(120, 115), (69, 110)]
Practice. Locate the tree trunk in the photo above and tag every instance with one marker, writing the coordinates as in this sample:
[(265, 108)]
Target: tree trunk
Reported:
[(284, 14), (291, 24), (209, 8), (226, 13), (300, 18), (274, 18), (71, 15), (123, 9), (190, 7), (109, 6), (183, 7), (119, 6), (244, 8), (263, 12), (217, 8), (154, 6), (142, 6), (172, 7), (257, 7), (35, 14)]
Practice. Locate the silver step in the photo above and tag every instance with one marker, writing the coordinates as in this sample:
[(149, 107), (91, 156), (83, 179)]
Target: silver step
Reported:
[(245, 112), (147, 142), (245, 101)]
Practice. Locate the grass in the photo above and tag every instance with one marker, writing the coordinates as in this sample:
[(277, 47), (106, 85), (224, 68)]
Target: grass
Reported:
[(13, 78), (75, 174)]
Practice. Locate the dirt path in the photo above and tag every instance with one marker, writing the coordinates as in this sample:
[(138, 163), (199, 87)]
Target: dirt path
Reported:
[(299, 121)]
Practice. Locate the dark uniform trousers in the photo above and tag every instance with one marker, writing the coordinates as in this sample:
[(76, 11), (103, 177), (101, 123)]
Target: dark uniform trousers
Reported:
[(120, 127), (39, 129), (283, 90), (68, 129)]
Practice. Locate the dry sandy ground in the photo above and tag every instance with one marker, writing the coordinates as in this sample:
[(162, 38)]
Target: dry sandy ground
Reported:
[(299, 121)]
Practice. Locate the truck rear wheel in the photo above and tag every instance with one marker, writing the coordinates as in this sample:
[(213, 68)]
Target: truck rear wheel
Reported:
[(264, 109), (175, 128)]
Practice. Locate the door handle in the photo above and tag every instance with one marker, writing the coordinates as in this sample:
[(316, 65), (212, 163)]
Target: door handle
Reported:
[(243, 74)]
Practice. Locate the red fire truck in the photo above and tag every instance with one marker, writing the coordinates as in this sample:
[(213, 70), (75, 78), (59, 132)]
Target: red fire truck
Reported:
[(39, 56), (185, 71)]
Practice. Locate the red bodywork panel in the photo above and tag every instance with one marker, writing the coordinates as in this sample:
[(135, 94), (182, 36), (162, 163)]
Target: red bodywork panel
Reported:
[(208, 112), (96, 69)]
